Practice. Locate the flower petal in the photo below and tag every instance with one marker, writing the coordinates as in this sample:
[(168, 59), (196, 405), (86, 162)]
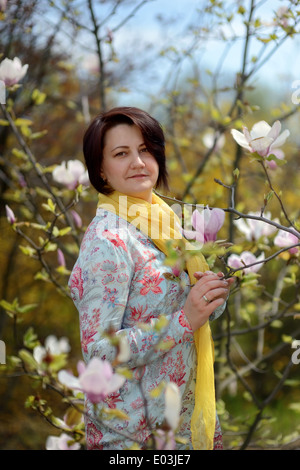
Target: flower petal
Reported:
[(172, 405), (281, 139), (217, 217), (234, 261), (240, 139), (260, 129), (69, 380), (275, 130), (261, 145)]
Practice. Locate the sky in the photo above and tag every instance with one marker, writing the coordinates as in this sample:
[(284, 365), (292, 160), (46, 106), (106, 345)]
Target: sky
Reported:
[(284, 66), (286, 58), (280, 72)]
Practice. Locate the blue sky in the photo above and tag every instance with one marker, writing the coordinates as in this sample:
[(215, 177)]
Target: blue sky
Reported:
[(280, 71)]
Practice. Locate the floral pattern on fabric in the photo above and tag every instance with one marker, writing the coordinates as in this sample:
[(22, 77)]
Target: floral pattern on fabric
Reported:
[(119, 282)]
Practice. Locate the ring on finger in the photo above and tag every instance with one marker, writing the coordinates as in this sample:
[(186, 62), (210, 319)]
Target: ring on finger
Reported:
[(206, 299)]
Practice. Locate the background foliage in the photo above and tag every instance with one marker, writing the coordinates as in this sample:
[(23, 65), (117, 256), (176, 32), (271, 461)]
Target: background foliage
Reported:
[(86, 56)]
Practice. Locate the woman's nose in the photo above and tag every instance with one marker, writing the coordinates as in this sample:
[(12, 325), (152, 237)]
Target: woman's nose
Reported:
[(137, 161)]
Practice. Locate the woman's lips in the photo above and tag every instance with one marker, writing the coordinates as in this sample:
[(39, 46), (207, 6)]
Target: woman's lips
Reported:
[(138, 176)]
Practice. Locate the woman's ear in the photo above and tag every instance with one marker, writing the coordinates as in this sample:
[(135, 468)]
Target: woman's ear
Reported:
[(102, 175)]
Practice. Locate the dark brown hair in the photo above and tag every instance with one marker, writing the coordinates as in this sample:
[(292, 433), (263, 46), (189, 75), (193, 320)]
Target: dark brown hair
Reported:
[(94, 140)]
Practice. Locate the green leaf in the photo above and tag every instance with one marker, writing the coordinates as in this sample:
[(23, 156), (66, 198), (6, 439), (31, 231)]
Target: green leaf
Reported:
[(268, 196), (38, 97), (294, 407), (236, 174), (64, 231), (26, 308), (23, 122), (50, 206), (50, 247), (7, 306), (38, 135), (41, 276), (278, 161), (161, 323), (30, 339), (111, 413), (27, 250), (28, 359), (287, 339)]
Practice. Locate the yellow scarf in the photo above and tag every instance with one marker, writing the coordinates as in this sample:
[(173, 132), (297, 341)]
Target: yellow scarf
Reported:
[(204, 415)]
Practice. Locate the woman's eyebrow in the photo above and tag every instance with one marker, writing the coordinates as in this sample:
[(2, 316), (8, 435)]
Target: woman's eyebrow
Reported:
[(126, 146), (120, 147)]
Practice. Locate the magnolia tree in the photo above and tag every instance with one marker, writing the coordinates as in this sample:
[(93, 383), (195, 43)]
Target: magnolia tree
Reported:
[(42, 208)]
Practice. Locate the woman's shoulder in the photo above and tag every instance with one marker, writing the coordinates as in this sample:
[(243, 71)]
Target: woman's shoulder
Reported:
[(107, 226)]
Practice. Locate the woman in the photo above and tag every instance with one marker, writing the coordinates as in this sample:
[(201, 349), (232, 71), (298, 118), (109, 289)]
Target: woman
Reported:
[(120, 280)]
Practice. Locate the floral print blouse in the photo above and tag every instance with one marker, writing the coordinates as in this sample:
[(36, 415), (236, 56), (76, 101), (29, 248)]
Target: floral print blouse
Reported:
[(120, 281)]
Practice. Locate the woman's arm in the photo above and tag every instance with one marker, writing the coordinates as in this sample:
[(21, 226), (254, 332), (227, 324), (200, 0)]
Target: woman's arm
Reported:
[(100, 285)]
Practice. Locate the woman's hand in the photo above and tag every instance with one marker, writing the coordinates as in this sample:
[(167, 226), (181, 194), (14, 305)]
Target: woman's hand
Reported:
[(209, 292)]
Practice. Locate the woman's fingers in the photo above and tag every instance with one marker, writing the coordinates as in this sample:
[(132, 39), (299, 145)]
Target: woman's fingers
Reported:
[(209, 275), (209, 293), (215, 294), (210, 288)]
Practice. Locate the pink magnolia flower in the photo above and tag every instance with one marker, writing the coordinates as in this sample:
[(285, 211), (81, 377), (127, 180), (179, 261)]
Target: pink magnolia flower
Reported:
[(96, 380), (263, 139), (71, 174), (12, 71), (206, 224), (10, 215), (77, 219), (245, 259), (63, 442), (164, 440), (284, 239), (61, 258)]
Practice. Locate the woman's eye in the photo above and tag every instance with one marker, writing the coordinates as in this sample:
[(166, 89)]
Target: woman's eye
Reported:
[(120, 154), (144, 149)]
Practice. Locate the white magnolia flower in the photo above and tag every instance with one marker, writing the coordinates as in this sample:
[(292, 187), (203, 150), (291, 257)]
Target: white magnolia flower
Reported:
[(263, 139), (12, 71), (91, 64), (172, 405), (254, 229), (282, 16), (3, 5), (209, 138), (51, 346), (124, 352), (63, 442), (71, 174)]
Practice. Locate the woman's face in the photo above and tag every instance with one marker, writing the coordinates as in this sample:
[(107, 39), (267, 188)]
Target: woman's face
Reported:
[(127, 165)]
